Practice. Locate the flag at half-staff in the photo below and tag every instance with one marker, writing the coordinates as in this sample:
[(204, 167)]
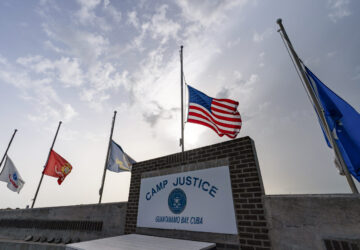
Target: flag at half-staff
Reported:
[(118, 161), (57, 167), (221, 115), (339, 121), (343, 121), (11, 176)]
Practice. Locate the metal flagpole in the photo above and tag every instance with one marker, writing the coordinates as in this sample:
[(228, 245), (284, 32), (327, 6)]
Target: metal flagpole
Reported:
[(12, 137), (182, 141), (42, 174), (318, 108), (107, 158)]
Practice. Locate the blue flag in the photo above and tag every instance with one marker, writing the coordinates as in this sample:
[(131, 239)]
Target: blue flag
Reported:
[(343, 121), (119, 161)]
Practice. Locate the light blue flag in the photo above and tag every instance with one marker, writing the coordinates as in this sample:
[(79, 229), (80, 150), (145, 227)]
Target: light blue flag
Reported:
[(119, 161), (344, 123)]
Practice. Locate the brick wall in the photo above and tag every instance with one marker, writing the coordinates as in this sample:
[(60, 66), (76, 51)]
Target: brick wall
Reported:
[(247, 188)]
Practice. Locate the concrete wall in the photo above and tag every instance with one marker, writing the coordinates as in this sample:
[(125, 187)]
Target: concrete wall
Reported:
[(21, 245), (82, 222), (247, 189), (326, 221)]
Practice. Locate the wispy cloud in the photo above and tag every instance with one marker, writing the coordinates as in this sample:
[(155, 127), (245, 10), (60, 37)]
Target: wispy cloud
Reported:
[(233, 43), (113, 12), (37, 90), (339, 9), (209, 12), (66, 70), (159, 27), (81, 44), (133, 19), (148, 82), (158, 113), (86, 14), (259, 37)]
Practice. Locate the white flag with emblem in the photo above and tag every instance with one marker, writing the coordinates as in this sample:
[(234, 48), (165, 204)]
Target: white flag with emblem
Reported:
[(11, 176)]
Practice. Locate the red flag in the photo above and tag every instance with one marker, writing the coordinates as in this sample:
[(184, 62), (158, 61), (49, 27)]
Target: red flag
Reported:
[(57, 167)]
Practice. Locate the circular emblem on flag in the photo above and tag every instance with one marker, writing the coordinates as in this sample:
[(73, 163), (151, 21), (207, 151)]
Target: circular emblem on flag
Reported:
[(15, 177), (177, 201), (66, 169)]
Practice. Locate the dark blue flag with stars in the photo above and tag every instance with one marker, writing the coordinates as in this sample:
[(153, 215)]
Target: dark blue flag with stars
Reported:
[(343, 121)]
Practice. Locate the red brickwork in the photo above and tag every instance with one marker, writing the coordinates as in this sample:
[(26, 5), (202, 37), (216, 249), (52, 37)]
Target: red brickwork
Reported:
[(247, 191)]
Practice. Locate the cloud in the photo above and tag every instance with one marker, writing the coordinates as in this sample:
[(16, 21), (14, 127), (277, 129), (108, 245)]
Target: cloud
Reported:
[(94, 98), (113, 12), (9, 75), (86, 14), (237, 75), (69, 71), (338, 9), (81, 44), (249, 83), (95, 137), (256, 111), (49, 104), (239, 87), (262, 56), (133, 19), (208, 12), (136, 43), (259, 37), (68, 134), (233, 43), (103, 79), (48, 44), (146, 82), (158, 27), (37, 89), (158, 113), (252, 80), (69, 112), (3, 60), (66, 70), (223, 93), (163, 27), (85, 51), (36, 63)]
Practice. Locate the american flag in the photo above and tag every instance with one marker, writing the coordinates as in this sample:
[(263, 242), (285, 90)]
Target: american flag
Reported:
[(220, 115)]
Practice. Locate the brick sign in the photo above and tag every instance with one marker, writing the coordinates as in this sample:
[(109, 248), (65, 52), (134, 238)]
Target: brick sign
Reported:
[(246, 190), (198, 200)]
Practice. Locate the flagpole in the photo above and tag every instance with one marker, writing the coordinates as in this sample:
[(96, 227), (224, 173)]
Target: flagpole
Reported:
[(42, 174), (182, 141), (318, 108), (107, 158), (12, 137)]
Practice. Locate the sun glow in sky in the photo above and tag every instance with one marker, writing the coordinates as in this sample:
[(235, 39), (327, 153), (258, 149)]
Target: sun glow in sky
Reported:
[(78, 61)]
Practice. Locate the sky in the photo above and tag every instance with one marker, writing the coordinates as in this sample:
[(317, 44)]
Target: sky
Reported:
[(78, 61)]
